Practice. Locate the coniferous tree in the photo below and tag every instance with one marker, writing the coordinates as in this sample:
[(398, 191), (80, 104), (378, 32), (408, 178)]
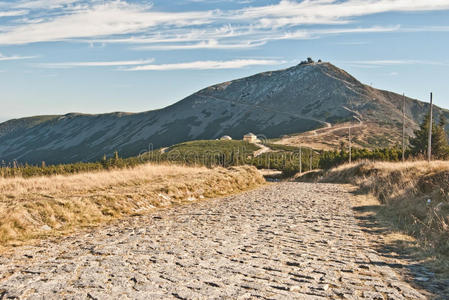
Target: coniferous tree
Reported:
[(443, 121), (418, 144), (440, 149), (440, 145)]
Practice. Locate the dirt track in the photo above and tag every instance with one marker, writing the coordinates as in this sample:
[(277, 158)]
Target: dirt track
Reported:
[(284, 241)]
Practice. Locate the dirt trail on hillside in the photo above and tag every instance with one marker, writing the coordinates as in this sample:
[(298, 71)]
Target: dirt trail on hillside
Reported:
[(283, 241), (262, 149)]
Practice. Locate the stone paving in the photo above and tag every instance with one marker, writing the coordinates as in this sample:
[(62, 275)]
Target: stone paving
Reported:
[(283, 241)]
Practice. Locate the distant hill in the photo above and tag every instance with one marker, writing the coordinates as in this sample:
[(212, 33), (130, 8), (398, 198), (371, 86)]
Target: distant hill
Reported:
[(17, 125), (293, 100)]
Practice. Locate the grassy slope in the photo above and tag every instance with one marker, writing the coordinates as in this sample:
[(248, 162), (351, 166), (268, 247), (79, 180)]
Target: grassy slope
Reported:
[(366, 135), (212, 146), (20, 124), (415, 195), (202, 153), (32, 207)]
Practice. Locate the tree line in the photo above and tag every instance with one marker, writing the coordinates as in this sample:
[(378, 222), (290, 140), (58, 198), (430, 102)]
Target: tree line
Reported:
[(285, 158), (417, 147)]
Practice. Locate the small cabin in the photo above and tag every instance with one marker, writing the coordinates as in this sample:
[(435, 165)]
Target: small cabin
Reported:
[(226, 138), (250, 138)]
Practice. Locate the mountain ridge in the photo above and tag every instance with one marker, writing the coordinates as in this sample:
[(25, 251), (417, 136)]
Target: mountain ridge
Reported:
[(273, 103)]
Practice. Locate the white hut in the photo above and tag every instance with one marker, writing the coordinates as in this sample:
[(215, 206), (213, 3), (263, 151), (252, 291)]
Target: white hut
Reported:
[(250, 138), (226, 138)]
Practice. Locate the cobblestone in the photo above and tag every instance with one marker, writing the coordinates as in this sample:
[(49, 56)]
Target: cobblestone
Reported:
[(283, 241)]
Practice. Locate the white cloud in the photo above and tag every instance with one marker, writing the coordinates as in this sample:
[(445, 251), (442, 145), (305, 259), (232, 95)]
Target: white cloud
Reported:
[(37, 4), (426, 29), (232, 38), (316, 33), (97, 63), (357, 30), (207, 65), (210, 44), (14, 57), (181, 35), (289, 13), (13, 13), (109, 19)]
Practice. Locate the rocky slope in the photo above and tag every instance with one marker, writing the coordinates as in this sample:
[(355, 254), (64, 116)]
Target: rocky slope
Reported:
[(297, 99)]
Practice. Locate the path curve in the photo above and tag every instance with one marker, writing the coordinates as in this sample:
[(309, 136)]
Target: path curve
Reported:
[(283, 241), (262, 149)]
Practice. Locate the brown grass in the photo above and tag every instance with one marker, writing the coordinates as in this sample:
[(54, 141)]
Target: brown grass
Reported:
[(40, 206), (366, 135), (415, 196)]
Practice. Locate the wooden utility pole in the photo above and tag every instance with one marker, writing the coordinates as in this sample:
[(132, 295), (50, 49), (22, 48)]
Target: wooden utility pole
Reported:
[(429, 143), (311, 159), (403, 129), (300, 160), (349, 131)]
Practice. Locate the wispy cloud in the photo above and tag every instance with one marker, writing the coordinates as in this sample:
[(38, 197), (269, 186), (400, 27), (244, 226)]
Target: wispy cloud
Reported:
[(394, 62), (289, 13), (97, 63), (210, 44), (181, 35), (372, 29), (114, 20), (37, 4), (426, 29), (14, 57), (13, 13), (146, 65), (206, 65), (232, 39), (110, 18)]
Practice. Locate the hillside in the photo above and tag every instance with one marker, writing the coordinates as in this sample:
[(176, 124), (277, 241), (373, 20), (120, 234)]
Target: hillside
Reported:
[(16, 125), (368, 135), (293, 100)]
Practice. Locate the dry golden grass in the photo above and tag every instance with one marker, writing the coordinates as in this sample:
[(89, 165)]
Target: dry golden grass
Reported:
[(415, 196), (365, 135), (396, 195), (368, 206), (38, 206)]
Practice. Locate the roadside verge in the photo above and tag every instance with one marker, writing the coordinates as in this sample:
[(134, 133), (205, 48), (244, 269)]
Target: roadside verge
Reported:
[(37, 207)]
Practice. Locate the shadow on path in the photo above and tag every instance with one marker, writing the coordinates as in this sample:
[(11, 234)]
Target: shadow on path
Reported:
[(404, 256)]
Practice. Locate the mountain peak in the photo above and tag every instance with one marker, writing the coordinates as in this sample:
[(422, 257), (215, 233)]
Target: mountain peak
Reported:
[(301, 98)]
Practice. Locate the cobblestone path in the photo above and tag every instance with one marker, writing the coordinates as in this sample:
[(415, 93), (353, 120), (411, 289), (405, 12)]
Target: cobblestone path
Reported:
[(283, 241)]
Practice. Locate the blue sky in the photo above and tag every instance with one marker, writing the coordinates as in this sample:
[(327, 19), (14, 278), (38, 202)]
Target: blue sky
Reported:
[(60, 56)]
